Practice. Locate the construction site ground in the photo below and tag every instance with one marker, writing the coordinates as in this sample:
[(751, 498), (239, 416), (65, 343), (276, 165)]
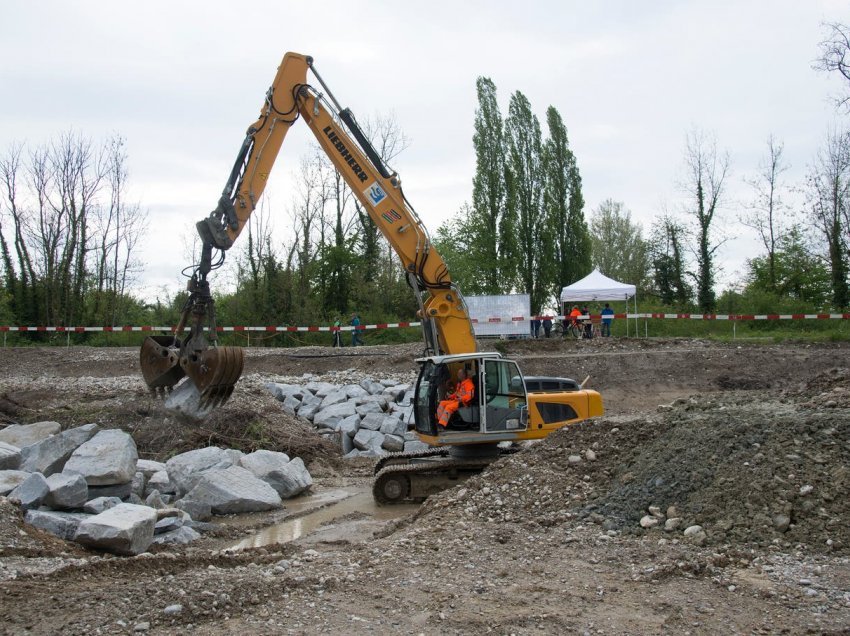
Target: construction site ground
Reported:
[(750, 440)]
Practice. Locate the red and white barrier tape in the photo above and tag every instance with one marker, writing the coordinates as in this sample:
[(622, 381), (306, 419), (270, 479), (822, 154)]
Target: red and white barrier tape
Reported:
[(400, 325)]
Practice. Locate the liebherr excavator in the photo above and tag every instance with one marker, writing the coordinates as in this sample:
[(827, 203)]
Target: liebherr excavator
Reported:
[(505, 407)]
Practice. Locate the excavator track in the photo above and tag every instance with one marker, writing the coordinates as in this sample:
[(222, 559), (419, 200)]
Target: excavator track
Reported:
[(399, 481)]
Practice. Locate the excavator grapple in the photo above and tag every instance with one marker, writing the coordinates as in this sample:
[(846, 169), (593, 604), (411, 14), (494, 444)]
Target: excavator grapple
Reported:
[(160, 362), (214, 372)]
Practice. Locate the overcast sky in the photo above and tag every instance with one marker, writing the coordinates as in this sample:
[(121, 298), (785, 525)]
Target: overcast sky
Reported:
[(182, 80)]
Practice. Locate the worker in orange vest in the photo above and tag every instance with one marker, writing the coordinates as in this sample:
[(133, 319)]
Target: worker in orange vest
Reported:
[(462, 396)]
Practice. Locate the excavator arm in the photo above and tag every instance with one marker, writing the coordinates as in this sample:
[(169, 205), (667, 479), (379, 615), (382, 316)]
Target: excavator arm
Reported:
[(214, 370)]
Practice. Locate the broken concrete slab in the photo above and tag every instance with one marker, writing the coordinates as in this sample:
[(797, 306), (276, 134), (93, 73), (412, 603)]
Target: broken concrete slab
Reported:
[(23, 435), (107, 458), (49, 455), (10, 456), (67, 491), (124, 529), (61, 524), (234, 490), (99, 504), (11, 479), (30, 493), (187, 468)]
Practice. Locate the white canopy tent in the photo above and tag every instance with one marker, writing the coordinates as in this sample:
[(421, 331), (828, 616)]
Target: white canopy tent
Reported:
[(597, 286)]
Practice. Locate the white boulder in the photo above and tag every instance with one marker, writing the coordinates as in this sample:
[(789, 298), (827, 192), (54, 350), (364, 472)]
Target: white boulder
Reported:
[(107, 458), (11, 479), (23, 435), (124, 529), (67, 491), (10, 456), (187, 468), (233, 490), (50, 454)]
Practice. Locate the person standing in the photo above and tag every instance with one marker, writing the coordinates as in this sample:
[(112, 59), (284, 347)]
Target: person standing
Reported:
[(337, 332), (535, 327), (547, 325), (607, 319), (355, 333), (588, 326)]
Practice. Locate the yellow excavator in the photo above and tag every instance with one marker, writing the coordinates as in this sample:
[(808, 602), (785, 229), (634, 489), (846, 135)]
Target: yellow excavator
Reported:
[(505, 408)]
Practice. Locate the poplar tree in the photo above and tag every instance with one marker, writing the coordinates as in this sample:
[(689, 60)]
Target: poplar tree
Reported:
[(567, 253), (486, 221), (524, 185)]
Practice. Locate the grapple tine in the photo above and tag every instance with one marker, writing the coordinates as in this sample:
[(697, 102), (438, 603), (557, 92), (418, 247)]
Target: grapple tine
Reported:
[(160, 363), (215, 372)]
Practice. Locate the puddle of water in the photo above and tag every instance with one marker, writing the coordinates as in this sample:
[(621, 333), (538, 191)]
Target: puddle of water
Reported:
[(344, 503)]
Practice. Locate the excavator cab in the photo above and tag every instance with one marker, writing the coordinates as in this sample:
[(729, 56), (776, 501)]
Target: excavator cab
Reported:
[(499, 407)]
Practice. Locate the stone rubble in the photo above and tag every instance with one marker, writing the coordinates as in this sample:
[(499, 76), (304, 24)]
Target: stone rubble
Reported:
[(367, 419), (88, 485)]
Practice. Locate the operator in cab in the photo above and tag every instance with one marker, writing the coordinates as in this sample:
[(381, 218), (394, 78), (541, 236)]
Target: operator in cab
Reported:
[(462, 396)]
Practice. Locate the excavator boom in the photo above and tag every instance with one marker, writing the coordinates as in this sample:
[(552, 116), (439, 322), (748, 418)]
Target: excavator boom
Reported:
[(214, 370)]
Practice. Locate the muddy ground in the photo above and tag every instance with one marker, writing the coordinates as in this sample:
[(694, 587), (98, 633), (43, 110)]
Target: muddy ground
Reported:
[(750, 441)]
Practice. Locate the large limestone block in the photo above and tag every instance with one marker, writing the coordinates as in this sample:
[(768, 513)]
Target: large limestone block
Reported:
[(372, 421), (393, 426), (393, 443), (368, 407), (233, 490), (61, 524), (415, 447), (148, 467), (124, 529), (10, 456), (320, 389), (160, 481), (180, 536), (283, 391), (291, 405), (288, 478), (31, 491), (348, 427), (395, 393), (336, 397), (107, 458), (375, 388), (23, 435), (366, 439), (331, 416), (186, 469), (67, 491), (11, 479), (49, 455), (308, 411), (99, 504), (380, 400), (354, 391)]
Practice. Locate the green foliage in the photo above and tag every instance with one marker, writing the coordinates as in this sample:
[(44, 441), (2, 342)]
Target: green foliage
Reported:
[(619, 250), (566, 242)]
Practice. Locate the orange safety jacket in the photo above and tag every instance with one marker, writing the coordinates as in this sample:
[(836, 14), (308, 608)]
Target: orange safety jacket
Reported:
[(464, 392)]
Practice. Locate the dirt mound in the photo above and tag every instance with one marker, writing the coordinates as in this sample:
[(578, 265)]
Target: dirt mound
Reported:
[(751, 468)]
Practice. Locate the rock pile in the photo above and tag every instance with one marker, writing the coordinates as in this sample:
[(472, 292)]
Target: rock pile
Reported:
[(88, 485), (368, 419)]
